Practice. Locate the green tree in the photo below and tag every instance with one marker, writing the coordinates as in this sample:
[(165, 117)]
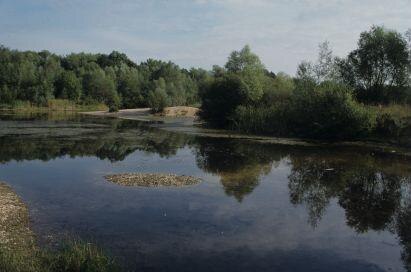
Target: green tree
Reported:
[(379, 66), (68, 86), (248, 66), (221, 100), (158, 99), (101, 88)]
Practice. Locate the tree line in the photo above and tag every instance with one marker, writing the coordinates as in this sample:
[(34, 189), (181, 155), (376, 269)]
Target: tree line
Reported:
[(111, 79), (332, 97)]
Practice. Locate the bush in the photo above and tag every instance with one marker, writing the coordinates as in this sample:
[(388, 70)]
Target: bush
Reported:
[(266, 120), (329, 112), (326, 112), (392, 120), (221, 100)]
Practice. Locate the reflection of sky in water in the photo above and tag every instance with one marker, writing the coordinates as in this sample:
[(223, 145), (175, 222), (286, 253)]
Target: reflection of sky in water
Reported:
[(213, 226)]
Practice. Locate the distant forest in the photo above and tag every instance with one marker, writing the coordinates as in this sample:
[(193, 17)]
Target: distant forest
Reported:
[(364, 93), (84, 78)]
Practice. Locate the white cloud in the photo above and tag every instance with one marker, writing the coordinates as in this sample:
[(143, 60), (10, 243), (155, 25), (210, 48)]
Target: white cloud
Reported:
[(199, 32)]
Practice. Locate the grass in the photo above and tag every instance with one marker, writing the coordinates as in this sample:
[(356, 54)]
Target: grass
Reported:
[(73, 256), (19, 253), (395, 110), (54, 105)]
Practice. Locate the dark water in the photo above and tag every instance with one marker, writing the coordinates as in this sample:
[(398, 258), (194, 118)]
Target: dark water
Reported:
[(261, 207)]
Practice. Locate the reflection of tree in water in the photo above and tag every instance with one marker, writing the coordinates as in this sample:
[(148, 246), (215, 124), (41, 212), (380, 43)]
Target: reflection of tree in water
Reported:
[(240, 165), (372, 191), (403, 229), (371, 199), (314, 182), (111, 139)]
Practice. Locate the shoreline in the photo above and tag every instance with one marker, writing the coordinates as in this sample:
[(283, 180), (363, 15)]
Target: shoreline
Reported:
[(192, 126), (16, 237)]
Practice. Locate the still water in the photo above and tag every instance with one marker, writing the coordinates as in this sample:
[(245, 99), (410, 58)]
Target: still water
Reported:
[(260, 207)]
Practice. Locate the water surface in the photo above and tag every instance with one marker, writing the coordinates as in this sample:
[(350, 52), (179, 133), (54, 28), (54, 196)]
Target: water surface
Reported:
[(260, 207)]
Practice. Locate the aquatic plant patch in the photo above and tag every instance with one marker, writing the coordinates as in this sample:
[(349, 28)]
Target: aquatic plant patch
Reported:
[(152, 180)]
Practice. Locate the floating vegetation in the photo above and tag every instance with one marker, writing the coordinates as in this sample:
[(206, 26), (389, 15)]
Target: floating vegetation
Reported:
[(152, 180)]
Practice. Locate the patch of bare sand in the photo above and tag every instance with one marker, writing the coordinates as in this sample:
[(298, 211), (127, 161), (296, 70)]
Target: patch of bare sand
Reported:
[(178, 111), (181, 111)]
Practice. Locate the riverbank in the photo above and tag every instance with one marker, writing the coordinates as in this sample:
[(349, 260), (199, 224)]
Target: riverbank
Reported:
[(19, 252), (178, 111), (17, 243), (194, 126)]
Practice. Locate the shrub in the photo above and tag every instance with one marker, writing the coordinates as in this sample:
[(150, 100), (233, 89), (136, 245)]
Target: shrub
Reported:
[(221, 100), (392, 120), (325, 112), (329, 111), (266, 120)]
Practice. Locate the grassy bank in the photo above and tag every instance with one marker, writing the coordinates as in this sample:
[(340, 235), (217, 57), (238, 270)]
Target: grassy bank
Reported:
[(19, 253), (352, 121), (54, 105)]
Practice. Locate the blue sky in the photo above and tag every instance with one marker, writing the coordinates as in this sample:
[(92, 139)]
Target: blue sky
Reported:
[(197, 33)]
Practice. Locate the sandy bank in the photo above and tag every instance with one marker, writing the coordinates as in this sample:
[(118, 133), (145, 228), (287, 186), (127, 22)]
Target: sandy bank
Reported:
[(15, 234), (179, 111), (152, 180)]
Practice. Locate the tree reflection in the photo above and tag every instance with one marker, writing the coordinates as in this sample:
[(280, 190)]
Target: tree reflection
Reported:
[(370, 199), (403, 229), (239, 165), (111, 139), (372, 193)]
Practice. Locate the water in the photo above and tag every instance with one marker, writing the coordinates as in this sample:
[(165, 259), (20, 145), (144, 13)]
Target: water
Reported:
[(260, 207)]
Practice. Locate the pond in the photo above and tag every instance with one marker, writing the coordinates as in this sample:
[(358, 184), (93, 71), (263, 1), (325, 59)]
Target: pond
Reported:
[(259, 207)]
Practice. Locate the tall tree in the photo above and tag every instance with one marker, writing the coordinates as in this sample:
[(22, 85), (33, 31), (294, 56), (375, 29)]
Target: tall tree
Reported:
[(380, 64), (248, 66)]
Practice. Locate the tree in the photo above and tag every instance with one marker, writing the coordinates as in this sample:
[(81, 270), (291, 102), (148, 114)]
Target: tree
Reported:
[(129, 86), (101, 88), (251, 71), (158, 99), (379, 65), (221, 100), (324, 69), (325, 66), (68, 86)]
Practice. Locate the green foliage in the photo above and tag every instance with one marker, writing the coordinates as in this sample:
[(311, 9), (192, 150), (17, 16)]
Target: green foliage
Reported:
[(79, 256), (89, 78), (221, 100), (278, 89), (329, 111), (250, 70), (392, 120), (379, 66), (158, 99), (325, 112), (68, 86), (72, 257)]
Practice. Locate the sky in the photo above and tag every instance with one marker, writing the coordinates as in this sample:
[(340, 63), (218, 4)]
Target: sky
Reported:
[(197, 33)]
